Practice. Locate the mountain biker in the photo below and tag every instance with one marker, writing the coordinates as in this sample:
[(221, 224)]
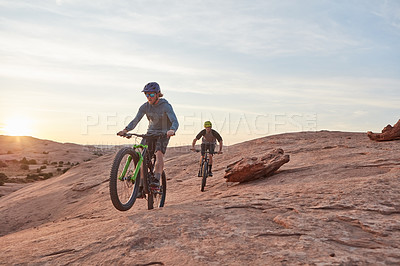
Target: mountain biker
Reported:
[(162, 119), (210, 137)]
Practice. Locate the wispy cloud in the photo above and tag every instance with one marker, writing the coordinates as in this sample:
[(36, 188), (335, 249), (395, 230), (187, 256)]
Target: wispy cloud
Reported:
[(389, 11), (252, 57)]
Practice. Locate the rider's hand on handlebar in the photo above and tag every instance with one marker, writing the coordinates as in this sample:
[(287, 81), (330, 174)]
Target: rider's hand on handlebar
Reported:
[(122, 132), (170, 133), (220, 152), (192, 149)]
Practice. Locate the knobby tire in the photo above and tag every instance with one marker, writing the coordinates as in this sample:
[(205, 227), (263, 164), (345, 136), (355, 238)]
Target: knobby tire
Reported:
[(205, 175), (157, 200), (123, 193)]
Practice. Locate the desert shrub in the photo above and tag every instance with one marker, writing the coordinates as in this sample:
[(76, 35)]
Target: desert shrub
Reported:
[(26, 161), (24, 167), (3, 179), (98, 153), (9, 152), (3, 164), (45, 152), (45, 162), (61, 162), (53, 163), (43, 167), (47, 175), (65, 170), (33, 177)]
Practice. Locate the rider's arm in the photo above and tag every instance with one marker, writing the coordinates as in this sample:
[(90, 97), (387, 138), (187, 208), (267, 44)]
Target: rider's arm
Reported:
[(194, 143), (219, 138), (201, 133), (137, 119), (172, 117)]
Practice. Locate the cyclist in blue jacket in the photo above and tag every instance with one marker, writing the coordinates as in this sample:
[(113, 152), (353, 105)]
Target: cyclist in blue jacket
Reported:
[(209, 139), (162, 119)]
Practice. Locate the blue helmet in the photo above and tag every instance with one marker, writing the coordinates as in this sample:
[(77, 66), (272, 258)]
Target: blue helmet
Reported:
[(151, 87)]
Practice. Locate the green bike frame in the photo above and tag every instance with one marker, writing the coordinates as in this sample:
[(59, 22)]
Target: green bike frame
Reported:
[(139, 164)]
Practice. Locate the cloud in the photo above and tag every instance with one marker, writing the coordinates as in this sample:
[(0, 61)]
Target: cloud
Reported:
[(254, 57), (389, 11), (225, 26)]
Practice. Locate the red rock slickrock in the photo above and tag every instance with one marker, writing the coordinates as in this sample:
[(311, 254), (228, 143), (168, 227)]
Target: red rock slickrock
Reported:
[(388, 133), (337, 202)]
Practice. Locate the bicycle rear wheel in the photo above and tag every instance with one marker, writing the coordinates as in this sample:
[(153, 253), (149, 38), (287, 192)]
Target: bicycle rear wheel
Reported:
[(123, 190), (205, 175), (156, 199)]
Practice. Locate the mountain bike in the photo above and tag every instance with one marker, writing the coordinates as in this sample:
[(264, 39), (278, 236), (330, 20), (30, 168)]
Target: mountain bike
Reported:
[(125, 176), (203, 171)]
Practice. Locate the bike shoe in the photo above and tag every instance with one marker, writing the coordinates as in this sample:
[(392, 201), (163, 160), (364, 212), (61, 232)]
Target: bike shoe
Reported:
[(199, 174), (210, 173), (155, 184)]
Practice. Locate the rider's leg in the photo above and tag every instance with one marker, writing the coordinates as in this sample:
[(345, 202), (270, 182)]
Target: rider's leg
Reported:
[(210, 166), (160, 149), (159, 166), (212, 148)]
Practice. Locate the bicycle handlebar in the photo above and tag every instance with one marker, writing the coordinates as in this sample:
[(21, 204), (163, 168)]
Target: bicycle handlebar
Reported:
[(145, 136), (215, 152)]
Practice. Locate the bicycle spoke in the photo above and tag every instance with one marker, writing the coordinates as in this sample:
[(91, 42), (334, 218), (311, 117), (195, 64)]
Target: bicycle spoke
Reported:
[(123, 189)]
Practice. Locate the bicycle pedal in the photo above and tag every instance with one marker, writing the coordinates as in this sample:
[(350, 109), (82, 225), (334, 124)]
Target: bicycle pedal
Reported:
[(156, 189)]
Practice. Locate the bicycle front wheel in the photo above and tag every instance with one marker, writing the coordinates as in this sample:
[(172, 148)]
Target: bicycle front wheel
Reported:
[(156, 199), (205, 175), (123, 189)]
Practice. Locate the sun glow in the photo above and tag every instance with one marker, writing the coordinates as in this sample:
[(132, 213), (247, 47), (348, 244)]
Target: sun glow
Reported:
[(18, 126)]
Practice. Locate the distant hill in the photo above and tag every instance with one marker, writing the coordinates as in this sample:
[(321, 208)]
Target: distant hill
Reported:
[(27, 159), (337, 202), (14, 147)]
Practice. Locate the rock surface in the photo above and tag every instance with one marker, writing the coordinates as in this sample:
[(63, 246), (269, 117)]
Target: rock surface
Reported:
[(337, 202), (388, 133), (249, 169)]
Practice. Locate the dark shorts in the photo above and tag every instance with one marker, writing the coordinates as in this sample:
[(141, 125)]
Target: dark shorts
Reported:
[(207, 146), (158, 144)]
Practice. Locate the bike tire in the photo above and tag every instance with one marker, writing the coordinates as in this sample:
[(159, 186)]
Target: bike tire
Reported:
[(205, 175), (157, 200), (123, 193)]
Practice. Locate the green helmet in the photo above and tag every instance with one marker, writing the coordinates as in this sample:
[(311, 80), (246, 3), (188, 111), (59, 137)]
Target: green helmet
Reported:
[(207, 124)]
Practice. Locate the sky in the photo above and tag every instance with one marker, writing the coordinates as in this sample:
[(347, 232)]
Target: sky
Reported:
[(73, 70)]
